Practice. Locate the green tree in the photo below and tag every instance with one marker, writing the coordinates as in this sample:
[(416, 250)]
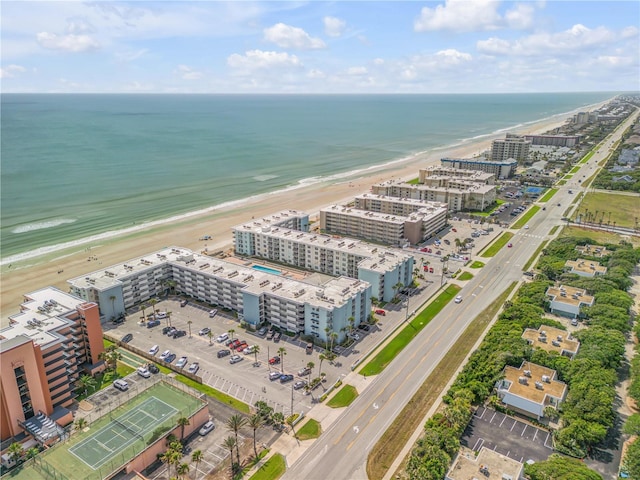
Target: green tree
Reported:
[(231, 331), (87, 382), (182, 470), (15, 451), (632, 425), (281, 353), (182, 422), (310, 366), (631, 461), (255, 422), (32, 452), (322, 357), (558, 467), (230, 444), (80, 424), (189, 325), (197, 456), (234, 424), (210, 335), (256, 351), (278, 418)]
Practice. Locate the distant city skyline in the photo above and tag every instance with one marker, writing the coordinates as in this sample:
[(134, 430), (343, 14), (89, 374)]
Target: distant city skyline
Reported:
[(448, 46)]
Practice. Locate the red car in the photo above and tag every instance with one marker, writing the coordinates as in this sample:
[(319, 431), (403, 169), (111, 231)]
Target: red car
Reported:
[(381, 312), (510, 245), (430, 269), (274, 360), (241, 346), (424, 249), (454, 230), (234, 344)]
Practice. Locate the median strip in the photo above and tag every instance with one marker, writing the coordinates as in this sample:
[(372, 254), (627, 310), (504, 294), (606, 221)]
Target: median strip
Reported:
[(497, 245)]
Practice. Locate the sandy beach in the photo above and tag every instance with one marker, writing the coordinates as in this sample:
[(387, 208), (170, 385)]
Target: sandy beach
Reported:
[(36, 273)]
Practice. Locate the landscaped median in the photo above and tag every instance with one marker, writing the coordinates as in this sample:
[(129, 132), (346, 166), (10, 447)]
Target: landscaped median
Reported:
[(272, 469), (497, 245), (522, 221), (344, 397), (407, 333), (547, 196)]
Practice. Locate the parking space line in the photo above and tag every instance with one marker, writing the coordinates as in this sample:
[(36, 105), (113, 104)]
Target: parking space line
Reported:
[(535, 434), (514, 424), (545, 441), (524, 429), (494, 414), (505, 417), (478, 444)]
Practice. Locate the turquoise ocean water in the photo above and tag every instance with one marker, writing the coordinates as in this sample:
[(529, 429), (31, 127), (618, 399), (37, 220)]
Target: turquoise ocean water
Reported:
[(76, 167)]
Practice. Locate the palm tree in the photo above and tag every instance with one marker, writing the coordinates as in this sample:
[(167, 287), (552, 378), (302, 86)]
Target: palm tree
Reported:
[(79, 424), (32, 452), (231, 331), (210, 335), (235, 423), (281, 353), (310, 366), (169, 319), (322, 357), (183, 469), (169, 457), (143, 307), (182, 422), (397, 287), (327, 330), (256, 351), (171, 438), (230, 443), (111, 356), (86, 382), (332, 336), (278, 418), (458, 244), (16, 450), (255, 422), (174, 457), (352, 322), (197, 456), (189, 325), (152, 304)]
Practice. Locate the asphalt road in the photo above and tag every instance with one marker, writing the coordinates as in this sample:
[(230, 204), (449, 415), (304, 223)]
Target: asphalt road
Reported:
[(341, 451)]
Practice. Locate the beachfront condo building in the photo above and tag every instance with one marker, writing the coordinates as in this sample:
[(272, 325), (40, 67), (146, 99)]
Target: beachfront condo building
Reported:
[(499, 168), (513, 146), (44, 350), (458, 194), (435, 214), (380, 267), (259, 297), (436, 176), (554, 140), (390, 229)]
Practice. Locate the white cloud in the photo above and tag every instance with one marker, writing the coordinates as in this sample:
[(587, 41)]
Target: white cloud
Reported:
[(315, 73), (334, 27), (79, 25), (11, 71), (520, 17), (378, 61), (127, 55), (69, 43), (260, 60), (577, 38), (187, 73), (286, 36), (453, 57), (459, 16), (357, 71)]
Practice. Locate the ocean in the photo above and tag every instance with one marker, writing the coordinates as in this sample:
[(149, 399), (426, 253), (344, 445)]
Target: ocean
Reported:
[(80, 168)]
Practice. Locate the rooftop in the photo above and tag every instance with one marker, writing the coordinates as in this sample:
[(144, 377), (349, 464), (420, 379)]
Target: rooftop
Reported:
[(570, 295), (586, 266), (434, 207), (593, 250), (482, 160), (463, 186), (533, 382), (494, 465), (425, 214), (551, 339), (41, 314)]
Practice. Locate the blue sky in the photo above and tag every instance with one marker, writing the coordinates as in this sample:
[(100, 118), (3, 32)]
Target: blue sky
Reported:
[(448, 46)]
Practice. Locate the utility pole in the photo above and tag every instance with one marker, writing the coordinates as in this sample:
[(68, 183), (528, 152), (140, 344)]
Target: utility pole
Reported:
[(292, 399)]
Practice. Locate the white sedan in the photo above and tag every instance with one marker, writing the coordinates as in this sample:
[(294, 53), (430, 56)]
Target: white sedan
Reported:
[(458, 299)]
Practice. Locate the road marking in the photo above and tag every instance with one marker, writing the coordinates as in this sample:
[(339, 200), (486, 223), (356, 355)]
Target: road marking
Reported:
[(376, 406), (514, 424), (356, 429), (523, 430), (494, 414), (505, 417), (535, 434)]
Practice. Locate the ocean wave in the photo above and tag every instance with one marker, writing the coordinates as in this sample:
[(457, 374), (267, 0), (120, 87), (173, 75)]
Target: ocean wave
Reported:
[(264, 178), (30, 227)]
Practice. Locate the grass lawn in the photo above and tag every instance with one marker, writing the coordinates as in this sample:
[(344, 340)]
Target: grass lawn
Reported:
[(497, 245), (477, 264), (568, 177), (344, 397), (393, 440), (415, 181), (465, 276), (522, 221), (575, 169), (623, 208), (562, 182), (535, 254), (599, 236), (311, 429), (589, 155), (406, 334), (271, 470), (212, 392), (554, 229), (104, 380), (550, 193)]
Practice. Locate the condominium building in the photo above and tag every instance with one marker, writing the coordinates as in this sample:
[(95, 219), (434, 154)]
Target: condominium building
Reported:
[(567, 301), (585, 268), (382, 268), (530, 389), (257, 296), (54, 339), (458, 194), (552, 339), (593, 250), (513, 146), (442, 176), (554, 140), (499, 168)]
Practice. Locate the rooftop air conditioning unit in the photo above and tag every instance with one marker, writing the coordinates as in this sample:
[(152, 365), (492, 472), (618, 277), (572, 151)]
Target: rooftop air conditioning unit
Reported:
[(546, 378), (527, 373), (539, 386)]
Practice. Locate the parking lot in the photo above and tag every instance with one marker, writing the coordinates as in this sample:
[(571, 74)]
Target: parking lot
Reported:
[(507, 435)]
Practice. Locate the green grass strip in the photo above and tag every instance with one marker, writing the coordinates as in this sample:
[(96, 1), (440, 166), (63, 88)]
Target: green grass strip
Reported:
[(414, 181), (554, 229), (497, 245), (574, 169), (477, 264), (344, 397), (464, 276), (561, 182), (522, 221), (309, 430), (212, 392), (547, 196), (393, 440), (535, 254), (384, 357), (567, 177), (272, 469), (588, 156)]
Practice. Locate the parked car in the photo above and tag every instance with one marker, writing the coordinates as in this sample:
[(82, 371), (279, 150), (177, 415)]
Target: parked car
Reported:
[(276, 336), (309, 348), (303, 372), (165, 330), (286, 378), (165, 354), (172, 331), (153, 350), (153, 323), (241, 346), (379, 311), (182, 361), (509, 245), (127, 338), (424, 249), (194, 367), (183, 303), (262, 332), (274, 360), (143, 372), (204, 331), (223, 337), (153, 368), (234, 344), (274, 376), (206, 428), (213, 313), (249, 349), (223, 353), (235, 359), (364, 326), (299, 384), (353, 335), (270, 334), (179, 333), (170, 358), (121, 384)]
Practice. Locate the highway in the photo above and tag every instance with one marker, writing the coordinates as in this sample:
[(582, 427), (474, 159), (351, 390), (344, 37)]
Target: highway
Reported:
[(341, 451)]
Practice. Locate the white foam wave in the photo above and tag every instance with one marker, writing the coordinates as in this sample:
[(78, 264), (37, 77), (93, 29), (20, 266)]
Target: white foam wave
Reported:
[(264, 178), (30, 227)]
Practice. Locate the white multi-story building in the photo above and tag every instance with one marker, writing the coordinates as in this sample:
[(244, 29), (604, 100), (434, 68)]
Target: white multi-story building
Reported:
[(567, 301), (381, 267), (442, 176), (499, 168), (554, 140), (513, 146), (257, 296)]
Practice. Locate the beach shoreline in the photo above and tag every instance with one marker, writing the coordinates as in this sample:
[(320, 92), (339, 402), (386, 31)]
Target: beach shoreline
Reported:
[(55, 268)]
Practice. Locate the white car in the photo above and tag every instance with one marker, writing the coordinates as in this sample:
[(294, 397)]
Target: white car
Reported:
[(526, 227), (121, 384), (206, 428), (458, 299), (165, 354), (194, 367), (249, 349), (153, 350), (212, 313), (235, 359), (182, 361), (143, 372)]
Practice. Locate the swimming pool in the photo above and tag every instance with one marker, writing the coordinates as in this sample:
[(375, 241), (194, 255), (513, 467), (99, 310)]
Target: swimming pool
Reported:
[(267, 270)]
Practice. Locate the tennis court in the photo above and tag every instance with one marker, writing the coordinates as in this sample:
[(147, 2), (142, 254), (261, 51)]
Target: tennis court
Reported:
[(121, 432)]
